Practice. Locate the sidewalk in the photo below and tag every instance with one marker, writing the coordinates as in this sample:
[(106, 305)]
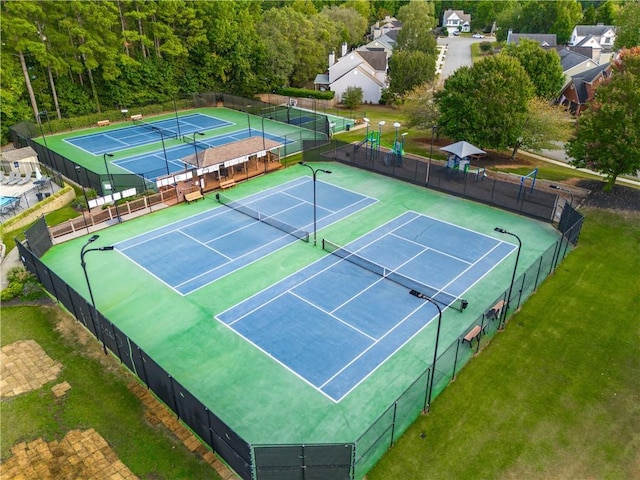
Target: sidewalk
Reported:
[(626, 181)]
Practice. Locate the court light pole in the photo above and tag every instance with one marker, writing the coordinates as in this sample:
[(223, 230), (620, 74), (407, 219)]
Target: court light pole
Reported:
[(44, 114), (195, 148), (433, 134), (112, 185), (315, 205), (248, 119), (83, 264), (84, 193), (164, 150), (513, 277), (428, 393), (175, 109)]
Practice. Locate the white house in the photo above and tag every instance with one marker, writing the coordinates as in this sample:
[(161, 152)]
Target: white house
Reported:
[(599, 35), (359, 68), (456, 20)]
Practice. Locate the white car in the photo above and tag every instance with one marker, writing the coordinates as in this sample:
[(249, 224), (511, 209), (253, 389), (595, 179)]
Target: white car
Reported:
[(478, 35)]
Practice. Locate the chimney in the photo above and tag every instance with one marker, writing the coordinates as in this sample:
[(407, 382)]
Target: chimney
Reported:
[(332, 59), (344, 49)]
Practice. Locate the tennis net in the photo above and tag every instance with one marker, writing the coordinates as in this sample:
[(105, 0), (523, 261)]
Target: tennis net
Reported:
[(153, 128), (191, 141), (432, 293), (285, 227)]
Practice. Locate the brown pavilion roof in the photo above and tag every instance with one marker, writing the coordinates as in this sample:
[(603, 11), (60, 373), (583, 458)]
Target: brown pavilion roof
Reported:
[(232, 151)]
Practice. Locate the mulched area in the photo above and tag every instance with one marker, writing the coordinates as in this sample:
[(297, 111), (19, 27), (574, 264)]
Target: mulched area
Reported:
[(618, 198)]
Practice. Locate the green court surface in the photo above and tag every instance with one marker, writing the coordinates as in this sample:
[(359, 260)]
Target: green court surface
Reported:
[(239, 121), (259, 399)]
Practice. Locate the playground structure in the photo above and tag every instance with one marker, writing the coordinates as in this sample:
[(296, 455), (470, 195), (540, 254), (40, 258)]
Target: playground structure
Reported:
[(373, 141), (522, 188), (395, 153)]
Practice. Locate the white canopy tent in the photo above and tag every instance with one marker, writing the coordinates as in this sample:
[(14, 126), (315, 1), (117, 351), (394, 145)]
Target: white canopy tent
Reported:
[(463, 149)]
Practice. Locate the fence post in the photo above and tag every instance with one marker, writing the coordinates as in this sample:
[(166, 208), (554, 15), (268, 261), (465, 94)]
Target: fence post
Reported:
[(535, 285), (393, 421), (524, 276), (455, 360)]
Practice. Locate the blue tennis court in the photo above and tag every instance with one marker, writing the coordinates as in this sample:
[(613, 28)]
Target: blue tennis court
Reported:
[(155, 161), (198, 250), (333, 323), (138, 134)]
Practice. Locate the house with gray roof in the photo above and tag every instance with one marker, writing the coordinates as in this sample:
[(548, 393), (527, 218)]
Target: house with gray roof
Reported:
[(385, 26), (545, 40), (581, 88), (384, 43), (589, 35), (365, 69), (574, 63)]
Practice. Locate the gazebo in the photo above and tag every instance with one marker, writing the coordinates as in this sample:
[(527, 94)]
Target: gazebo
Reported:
[(461, 154)]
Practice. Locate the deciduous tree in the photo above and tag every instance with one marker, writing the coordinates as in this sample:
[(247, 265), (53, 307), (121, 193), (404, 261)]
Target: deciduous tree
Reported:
[(420, 107), (628, 23), (417, 23), (407, 69), (543, 66), (545, 126), (486, 104), (607, 136)]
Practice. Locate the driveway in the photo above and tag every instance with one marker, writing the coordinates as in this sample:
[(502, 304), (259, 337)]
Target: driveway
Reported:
[(458, 53)]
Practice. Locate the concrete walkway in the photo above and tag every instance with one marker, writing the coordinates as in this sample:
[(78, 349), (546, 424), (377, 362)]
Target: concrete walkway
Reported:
[(621, 180)]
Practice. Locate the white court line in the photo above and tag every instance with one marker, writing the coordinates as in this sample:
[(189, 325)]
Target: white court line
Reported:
[(392, 234), (231, 259), (204, 244), (347, 324), (275, 359), (215, 212), (393, 328), (387, 333)]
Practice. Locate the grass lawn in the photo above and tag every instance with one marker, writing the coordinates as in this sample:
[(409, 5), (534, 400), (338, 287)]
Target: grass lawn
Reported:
[(99, 399), (556, 395)]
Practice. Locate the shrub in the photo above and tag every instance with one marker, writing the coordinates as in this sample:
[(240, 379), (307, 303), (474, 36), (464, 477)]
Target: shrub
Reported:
[(23, 284), (304, 93), (352, 97), (485, 47)]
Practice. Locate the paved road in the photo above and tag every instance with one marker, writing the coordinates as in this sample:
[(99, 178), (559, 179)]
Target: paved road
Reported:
[(458, 53)]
